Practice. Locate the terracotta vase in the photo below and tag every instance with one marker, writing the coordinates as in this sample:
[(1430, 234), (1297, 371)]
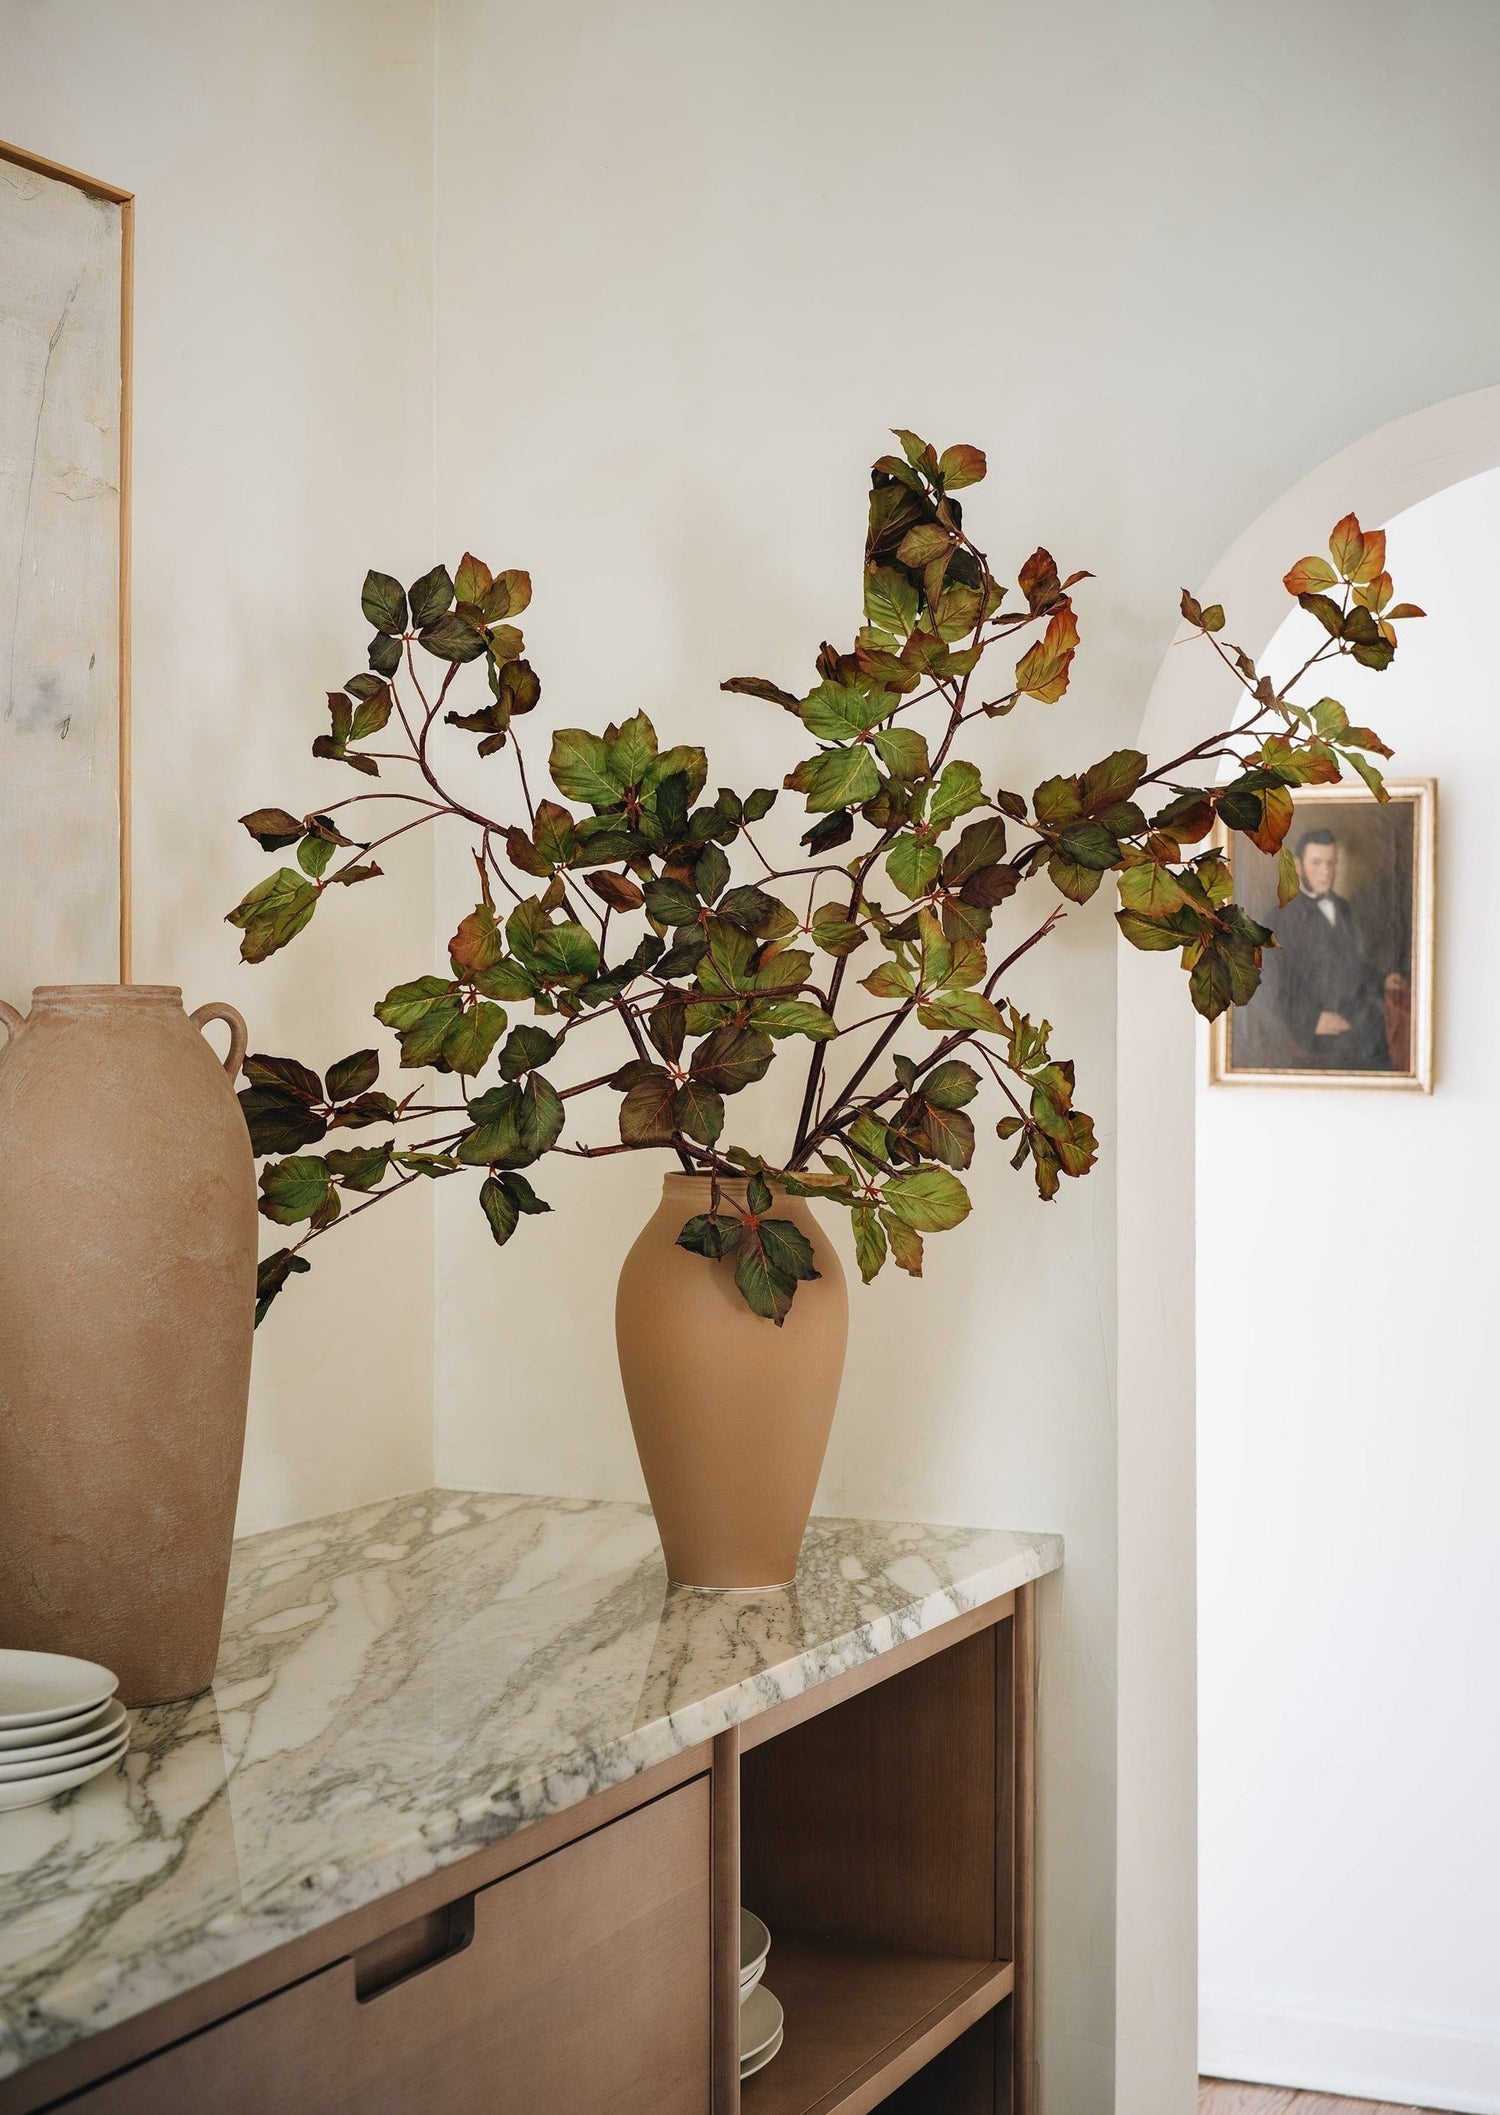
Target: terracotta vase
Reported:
[(731, 1415), (127, 1300)]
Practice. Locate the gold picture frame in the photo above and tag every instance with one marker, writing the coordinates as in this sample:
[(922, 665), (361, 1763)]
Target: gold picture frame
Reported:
[(95, 188), (1247, 1049)]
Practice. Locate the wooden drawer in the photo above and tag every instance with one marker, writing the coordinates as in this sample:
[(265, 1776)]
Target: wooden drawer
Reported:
[(577, 1986)]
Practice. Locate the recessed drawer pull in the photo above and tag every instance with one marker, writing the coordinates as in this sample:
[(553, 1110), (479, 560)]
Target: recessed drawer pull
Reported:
[(421, 1944)]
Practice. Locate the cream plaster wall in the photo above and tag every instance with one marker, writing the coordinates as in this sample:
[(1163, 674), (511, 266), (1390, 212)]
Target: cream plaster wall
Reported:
[(280, 155)]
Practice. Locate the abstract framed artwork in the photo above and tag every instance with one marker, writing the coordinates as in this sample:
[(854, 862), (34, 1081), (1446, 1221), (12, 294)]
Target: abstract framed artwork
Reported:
[(66, 248), (1346, 995)]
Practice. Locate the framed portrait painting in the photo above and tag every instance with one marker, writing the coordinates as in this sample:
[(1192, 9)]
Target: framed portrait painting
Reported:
[(65, 310), (1345, 998)]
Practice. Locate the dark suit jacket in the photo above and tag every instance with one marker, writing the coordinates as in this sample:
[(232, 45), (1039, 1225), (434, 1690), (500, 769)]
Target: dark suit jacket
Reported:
[(1320, 966)]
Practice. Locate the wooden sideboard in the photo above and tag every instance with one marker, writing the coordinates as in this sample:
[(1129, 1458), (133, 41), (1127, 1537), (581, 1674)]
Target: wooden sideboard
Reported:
[(587, 1964)]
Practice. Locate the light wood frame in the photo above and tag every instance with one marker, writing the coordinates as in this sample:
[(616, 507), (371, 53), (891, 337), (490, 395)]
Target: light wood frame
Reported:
[(95, 187), (1422, 793)]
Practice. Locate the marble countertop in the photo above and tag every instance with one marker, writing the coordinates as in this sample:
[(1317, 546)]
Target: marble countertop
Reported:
[(403, 1684)]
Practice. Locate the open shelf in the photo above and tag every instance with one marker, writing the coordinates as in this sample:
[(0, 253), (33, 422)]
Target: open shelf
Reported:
[(860, 2020)]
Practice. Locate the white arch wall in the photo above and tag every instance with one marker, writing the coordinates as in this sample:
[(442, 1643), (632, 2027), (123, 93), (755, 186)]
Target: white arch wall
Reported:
[(1388, 471), (1349, 1722)]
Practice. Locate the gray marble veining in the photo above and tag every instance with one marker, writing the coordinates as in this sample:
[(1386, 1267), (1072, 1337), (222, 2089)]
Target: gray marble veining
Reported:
[(402, 1684)]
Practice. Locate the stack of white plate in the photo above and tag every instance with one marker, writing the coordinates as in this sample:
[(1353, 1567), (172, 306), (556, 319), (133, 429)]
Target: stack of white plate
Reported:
[(761, 2023), (60, 1724)]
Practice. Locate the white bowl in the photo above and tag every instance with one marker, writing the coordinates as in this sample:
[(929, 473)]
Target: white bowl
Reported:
[(758, 2062), (116, 1739), (36, 1687), (755, 1945), (760, 2022), (99, 1727), (54, 1729), (33, 1791)]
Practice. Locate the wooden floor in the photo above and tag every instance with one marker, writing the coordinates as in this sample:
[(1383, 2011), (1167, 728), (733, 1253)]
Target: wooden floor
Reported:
[(1217, 2097)]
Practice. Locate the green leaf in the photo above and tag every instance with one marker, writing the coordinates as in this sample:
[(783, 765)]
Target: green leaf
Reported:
[(383, 601), (287, 1074), (929, 1199), (767, 1291), (1115, 778), (422, 1013), (633, 751), (961, 1010), (1151, 890), (783, 1017), (906, 1244), (699, 1111), (833, 932), (958, 790), (950, 1083), (920, 545), (566, 950), (429, 597), (961, 466), (313, 855), (711, 1234), (648, 1112), (787, 1248), (890, 601), (295, 1189), (978, 845), (1089, 844), (500, 1209), (913, 863), (525, 1048), (353, 1075), (452, 638), (902, 750), (279, 1121), (836, 778), (836, 714), (869, 1241), (732, 1058), (580, 767), (1073, 880), (468, 1043), (1146, 934), (360, 1167), (274, 912), (515, 1125), (385, 654), (671, 903), (1367, 771)]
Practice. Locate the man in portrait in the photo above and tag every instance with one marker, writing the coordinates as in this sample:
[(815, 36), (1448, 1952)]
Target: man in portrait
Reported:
[(1331, 1001)]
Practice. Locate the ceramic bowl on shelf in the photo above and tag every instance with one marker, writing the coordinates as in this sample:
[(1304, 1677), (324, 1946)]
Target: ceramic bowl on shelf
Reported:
[(752, 2064), (755, 1945), (761, 2024)]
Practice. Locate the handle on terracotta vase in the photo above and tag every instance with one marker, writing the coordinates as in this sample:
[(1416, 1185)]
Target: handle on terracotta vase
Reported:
[(239, 1034), (10, 1020)]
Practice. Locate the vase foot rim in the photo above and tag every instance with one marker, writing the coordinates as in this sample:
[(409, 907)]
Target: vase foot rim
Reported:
[(692, 1586)]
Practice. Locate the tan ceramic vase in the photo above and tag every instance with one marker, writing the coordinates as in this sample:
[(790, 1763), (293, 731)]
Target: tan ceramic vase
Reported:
[(731, 1414), (127, 1299)]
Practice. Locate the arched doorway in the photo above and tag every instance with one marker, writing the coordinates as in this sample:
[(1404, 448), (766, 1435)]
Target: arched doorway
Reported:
[(1156, 2036)]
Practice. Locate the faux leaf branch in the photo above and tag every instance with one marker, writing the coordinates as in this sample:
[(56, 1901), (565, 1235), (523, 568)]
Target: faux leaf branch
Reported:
[(635, 900)]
